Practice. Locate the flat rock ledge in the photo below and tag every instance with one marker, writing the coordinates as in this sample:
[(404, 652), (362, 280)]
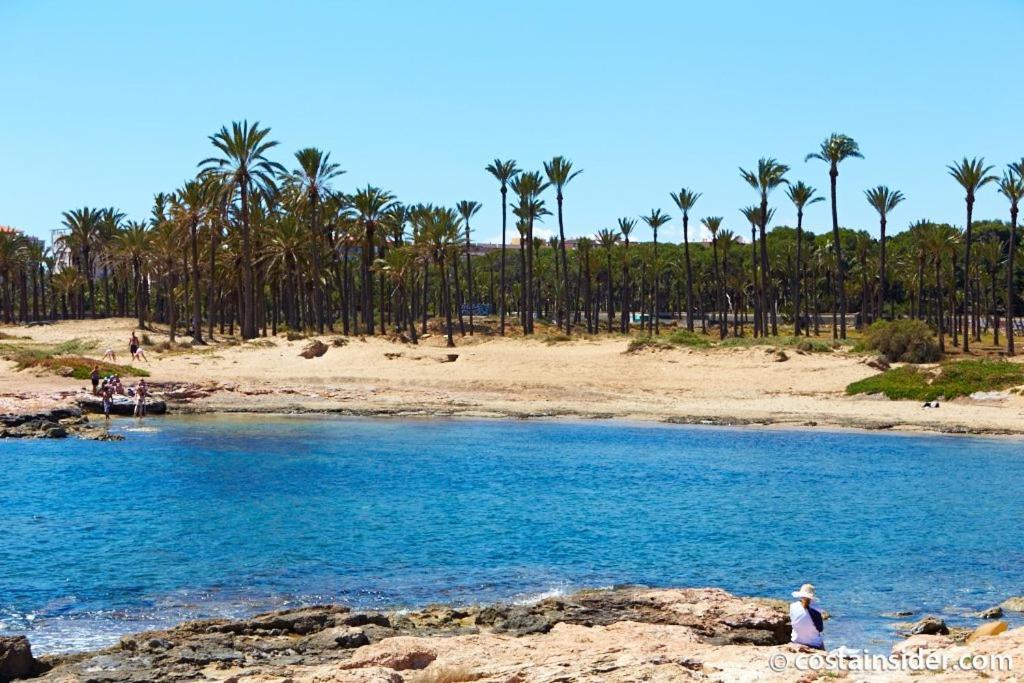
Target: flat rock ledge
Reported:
[(54, 423), (617, 635), (588, 636)]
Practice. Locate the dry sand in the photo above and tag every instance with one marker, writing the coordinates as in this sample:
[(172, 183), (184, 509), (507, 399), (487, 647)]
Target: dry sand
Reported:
[(520, 378)]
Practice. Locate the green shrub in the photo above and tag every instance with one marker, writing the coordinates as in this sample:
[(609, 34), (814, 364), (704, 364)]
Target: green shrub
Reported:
[(949, 380), (687, 338), (906, 341), (291, 335)]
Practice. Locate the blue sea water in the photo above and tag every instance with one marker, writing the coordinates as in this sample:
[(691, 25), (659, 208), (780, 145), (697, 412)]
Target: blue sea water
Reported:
[(195, 517)]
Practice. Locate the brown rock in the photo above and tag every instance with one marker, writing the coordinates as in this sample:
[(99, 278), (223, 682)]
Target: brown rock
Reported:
[(314, 350), (1014, 604), (929, 626), (16, 660), (401, 654), (993, 628)]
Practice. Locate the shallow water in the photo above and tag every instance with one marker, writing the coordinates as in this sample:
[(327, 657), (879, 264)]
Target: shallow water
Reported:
[(197, 517)]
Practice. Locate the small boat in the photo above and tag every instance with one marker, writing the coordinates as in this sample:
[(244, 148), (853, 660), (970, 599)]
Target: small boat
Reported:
[(122, 405)]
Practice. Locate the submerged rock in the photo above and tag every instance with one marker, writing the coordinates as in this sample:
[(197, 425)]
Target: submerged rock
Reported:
[(1014, 604), (929, 626)]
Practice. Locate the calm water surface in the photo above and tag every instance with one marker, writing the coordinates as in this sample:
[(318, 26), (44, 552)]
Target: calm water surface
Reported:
[(199, 517)]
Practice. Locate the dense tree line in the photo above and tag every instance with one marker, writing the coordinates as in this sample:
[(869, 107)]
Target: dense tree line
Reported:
[(257, 245)]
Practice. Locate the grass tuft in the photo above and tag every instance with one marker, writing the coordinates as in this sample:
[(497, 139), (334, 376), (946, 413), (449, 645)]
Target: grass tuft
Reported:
[(948, 380)]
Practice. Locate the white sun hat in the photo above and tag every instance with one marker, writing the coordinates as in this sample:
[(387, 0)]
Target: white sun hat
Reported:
[(806, 591)]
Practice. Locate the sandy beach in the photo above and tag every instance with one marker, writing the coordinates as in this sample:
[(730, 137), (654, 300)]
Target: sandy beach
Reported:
[(508, 377)]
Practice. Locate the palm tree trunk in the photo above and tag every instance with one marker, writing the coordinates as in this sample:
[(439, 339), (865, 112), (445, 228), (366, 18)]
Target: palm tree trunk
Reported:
[(367, 279), (503, 295), (967, 269), (1009, 281), (833, 174), (625, 320), (689, 272), (197, 309), (797, 271), (883, 284), (565, 269)]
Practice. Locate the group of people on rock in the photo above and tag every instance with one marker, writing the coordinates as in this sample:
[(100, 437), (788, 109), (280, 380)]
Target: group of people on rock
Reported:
[(111, 385)]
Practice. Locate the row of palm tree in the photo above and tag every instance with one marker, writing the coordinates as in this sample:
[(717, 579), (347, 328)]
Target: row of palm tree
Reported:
[(249, 242)]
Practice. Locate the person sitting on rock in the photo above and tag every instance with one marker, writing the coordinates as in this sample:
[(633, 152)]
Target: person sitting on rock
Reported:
[(804, 615)]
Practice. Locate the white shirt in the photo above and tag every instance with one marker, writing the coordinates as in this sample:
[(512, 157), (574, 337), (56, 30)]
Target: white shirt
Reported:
[(804, 630)]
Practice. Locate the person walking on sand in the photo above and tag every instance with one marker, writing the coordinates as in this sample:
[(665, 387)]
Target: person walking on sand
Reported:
[(133, 345), (805, 616), (140, 398), (95, 377)]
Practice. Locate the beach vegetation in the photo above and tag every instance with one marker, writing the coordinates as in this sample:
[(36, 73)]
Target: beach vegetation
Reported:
[(65, 358), (905, 341), (946, 381)]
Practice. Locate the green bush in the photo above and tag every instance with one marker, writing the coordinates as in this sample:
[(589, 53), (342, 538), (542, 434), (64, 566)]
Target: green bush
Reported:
[(687, 338), (906, 341), (949, 380)]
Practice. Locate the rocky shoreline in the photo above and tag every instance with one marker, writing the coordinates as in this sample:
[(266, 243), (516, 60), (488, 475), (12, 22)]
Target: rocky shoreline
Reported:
[(334, 643), (57, 422), (618, 635)]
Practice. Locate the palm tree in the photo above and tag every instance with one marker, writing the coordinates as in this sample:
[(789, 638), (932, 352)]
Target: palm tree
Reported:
[(654, 221), (626, 226), (972, 174), (559, 172), (835, 149), (190, 206), (370, 204), (531, 208), (504, 172), (802, 196), (244, 167), (81, 240), (1011, 186), (685, 199), (883, 200), (467, 210), (133, 243), (769, 175), (608, 239), (311, 181), (753, 216), (713, 223), (938, 241)]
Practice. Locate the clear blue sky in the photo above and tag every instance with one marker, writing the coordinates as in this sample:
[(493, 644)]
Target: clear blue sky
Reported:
[(106, 103)]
